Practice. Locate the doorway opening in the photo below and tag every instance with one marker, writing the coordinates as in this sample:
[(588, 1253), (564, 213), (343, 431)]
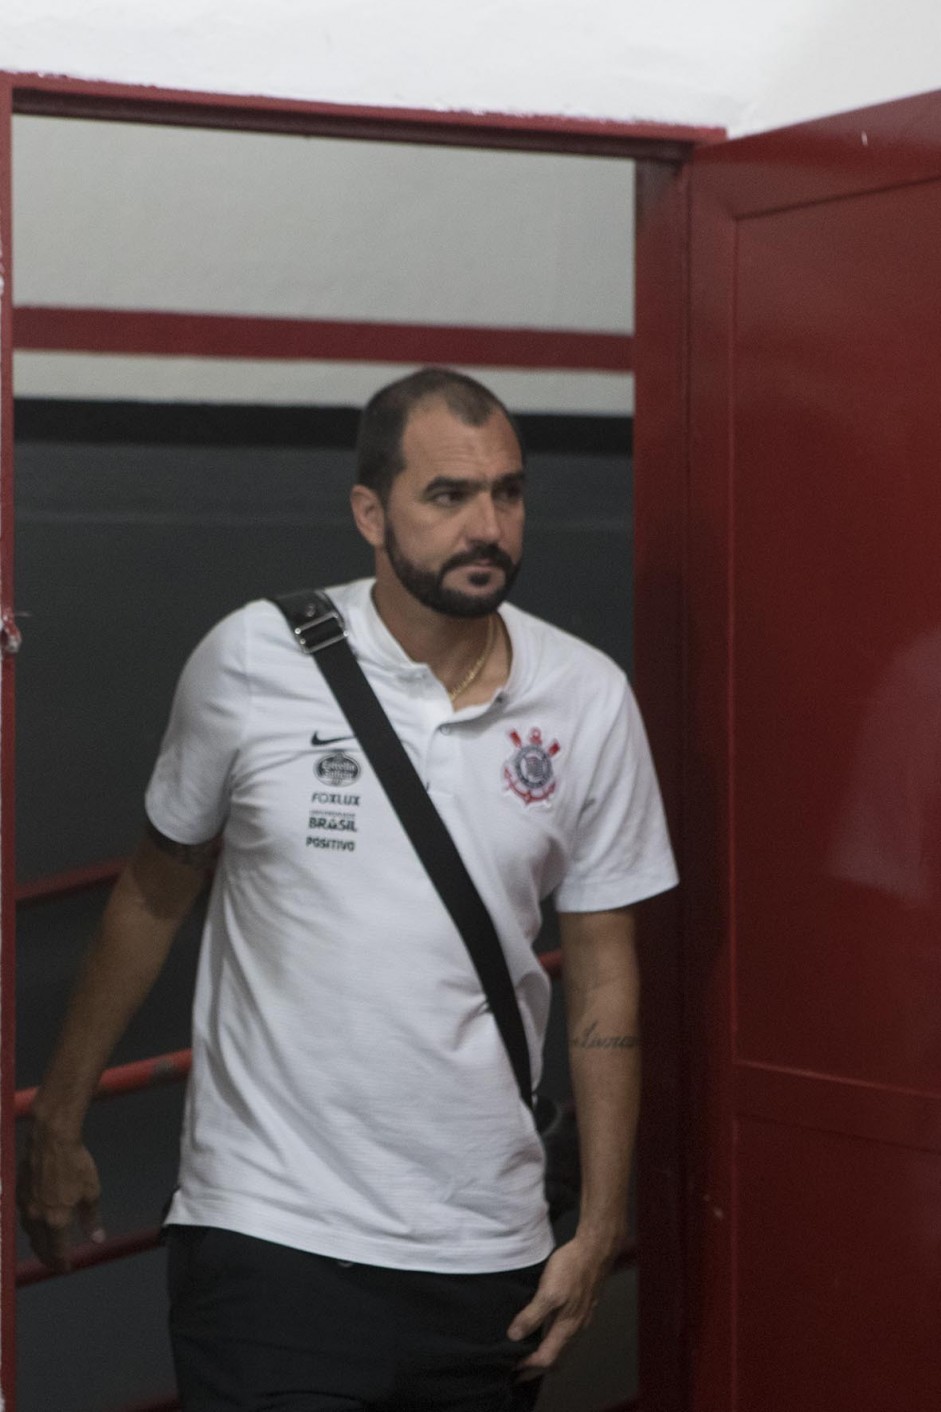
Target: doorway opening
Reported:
[(120, 386)]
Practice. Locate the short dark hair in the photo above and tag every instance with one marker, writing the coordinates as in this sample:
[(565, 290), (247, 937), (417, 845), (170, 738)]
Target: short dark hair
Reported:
[(382, 425)]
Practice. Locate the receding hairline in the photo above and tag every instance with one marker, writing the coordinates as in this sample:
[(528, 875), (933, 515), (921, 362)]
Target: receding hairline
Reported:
[(467, 416), (389, 412)]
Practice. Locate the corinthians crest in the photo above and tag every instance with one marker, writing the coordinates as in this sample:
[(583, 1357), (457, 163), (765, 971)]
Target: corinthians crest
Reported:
[(528, 771)]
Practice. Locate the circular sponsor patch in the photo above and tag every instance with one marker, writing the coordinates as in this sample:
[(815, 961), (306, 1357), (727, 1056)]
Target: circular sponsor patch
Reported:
[(337, 768)]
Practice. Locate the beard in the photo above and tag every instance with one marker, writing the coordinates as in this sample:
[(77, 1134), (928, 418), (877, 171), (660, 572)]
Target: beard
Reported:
[(428, 586)]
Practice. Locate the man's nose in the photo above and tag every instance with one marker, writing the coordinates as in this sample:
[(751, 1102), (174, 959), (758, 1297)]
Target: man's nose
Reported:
[(484, 523)]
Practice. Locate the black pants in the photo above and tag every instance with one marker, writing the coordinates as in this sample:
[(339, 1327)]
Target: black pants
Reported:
[(259, 1327)]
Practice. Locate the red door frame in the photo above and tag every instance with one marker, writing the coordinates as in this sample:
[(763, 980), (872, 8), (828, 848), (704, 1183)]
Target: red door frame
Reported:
[(660, 424), (7, 778), (660, 587)]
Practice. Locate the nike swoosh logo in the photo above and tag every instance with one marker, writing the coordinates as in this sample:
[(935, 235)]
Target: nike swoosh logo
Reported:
[(317, 739)]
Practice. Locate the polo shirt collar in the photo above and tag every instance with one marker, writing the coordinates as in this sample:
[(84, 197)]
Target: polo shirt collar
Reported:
[(374, 643)]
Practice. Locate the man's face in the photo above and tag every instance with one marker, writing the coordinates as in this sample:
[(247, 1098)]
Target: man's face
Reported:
[(454, 518)]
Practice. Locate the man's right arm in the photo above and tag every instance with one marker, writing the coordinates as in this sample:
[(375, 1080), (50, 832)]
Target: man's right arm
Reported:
[(58, 1182)]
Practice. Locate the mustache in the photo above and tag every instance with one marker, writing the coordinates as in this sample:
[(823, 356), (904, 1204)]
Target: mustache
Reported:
[(484, 554)]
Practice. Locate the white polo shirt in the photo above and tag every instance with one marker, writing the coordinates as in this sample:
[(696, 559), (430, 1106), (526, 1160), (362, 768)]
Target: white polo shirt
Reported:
[(350, 1092)]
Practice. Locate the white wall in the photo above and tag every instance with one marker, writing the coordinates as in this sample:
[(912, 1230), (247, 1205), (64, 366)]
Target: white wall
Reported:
[(842, 54), (130, 217), (121, 216), (740, 64)]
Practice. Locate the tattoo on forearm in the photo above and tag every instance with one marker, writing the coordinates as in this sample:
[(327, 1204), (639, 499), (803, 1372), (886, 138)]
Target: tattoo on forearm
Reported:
[(589, 1038), (195, 855)]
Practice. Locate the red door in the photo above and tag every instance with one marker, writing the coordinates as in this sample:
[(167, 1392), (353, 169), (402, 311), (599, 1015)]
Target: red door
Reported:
[(813, 816)]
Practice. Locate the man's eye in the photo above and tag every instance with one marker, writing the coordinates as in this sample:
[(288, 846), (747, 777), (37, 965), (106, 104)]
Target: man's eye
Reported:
[(447, 497), (510, 493)]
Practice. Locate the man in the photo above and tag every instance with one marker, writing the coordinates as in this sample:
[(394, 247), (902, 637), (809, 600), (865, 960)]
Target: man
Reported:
[(360, 1220)]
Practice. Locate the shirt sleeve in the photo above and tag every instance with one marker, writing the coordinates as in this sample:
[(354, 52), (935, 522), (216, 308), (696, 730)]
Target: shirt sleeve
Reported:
[(188, 795), (622, 850)]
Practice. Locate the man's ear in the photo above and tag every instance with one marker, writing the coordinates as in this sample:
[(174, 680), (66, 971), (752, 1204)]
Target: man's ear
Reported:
[(368, 515)]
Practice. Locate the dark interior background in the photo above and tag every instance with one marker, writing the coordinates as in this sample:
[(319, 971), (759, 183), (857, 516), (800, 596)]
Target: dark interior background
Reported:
[(138, 526)]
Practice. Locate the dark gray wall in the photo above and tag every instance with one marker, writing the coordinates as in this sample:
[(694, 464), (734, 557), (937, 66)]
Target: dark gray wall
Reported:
[(126, 554)]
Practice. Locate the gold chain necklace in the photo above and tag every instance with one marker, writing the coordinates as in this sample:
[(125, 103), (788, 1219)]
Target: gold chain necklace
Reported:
[(478, 666)]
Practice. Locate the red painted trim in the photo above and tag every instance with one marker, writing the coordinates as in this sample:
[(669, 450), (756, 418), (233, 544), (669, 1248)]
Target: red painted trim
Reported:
[(7, 783), (132, 331), (75, 880), (61, 96), (83, 1257)]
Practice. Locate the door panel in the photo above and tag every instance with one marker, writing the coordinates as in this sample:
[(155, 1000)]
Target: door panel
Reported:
[(855, 1220), (835, 586), (814, 988)]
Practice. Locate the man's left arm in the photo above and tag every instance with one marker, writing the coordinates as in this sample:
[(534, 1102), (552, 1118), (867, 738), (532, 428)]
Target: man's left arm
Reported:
[(600, 978)]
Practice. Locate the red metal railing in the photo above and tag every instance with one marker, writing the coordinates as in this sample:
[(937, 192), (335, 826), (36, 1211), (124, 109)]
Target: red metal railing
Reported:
[(132, 1078), (175, 1066), (83, 1257), (126, 1078), (75, 880)]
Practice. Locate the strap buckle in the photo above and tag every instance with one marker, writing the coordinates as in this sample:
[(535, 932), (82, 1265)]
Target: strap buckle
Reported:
[(320, 627)]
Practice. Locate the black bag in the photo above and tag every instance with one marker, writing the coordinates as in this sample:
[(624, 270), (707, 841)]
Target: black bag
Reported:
[(556, 1122), (320, 632)]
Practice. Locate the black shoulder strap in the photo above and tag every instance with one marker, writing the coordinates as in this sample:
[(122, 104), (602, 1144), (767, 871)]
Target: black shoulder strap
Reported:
[(321, 633)]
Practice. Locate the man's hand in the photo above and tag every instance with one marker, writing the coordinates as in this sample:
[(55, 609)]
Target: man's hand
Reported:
[(563, 1304), (57, 1189), (600, 978), (58, 1183)]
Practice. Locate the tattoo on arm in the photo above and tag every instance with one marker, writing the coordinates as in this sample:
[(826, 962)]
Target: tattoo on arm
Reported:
[(589, 1038), (195, 855)]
